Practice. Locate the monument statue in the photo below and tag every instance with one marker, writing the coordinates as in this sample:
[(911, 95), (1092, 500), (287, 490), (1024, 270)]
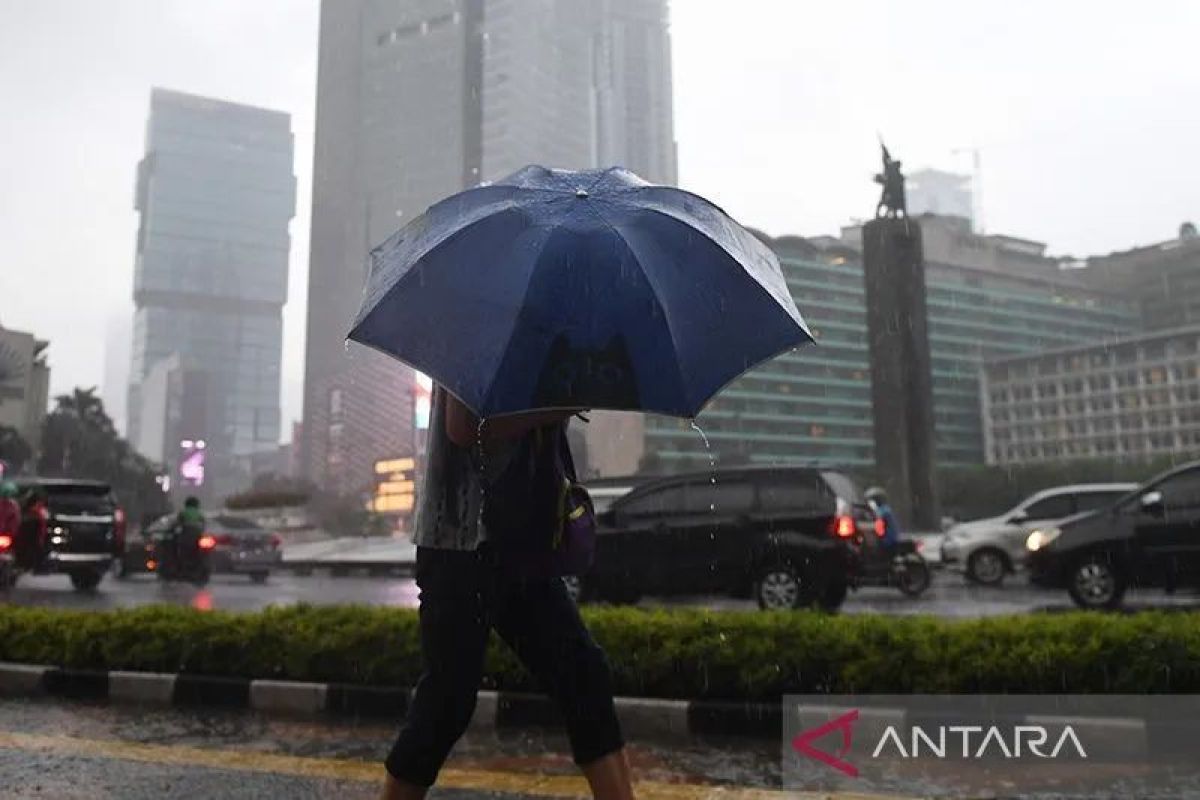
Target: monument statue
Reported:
[(891, 201)]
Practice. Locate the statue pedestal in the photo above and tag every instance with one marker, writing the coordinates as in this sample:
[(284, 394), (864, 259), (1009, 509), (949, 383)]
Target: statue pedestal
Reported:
[(901, 381)]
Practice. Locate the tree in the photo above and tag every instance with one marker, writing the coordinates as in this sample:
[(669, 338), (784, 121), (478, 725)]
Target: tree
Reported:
[(15, 452), (79, 440)]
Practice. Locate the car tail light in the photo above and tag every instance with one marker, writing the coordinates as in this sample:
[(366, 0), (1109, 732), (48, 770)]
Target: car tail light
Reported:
[(844, 526), (880, 528), (5, 542), (276, 541), (152, 565), (207, 542)]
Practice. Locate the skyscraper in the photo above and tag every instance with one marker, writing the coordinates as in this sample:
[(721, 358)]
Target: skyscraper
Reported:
[(418, 100), (215, 192)]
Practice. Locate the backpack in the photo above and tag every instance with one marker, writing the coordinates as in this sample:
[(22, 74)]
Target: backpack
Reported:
[(541, 519)]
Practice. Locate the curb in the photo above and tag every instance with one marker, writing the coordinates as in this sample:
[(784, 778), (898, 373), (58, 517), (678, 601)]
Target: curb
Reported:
[(650, 718), (641, 717)]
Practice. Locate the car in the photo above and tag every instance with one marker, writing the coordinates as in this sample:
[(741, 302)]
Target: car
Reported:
[(241, 547), (68, 526), (1148, 538), (987, 550), (777, 534)]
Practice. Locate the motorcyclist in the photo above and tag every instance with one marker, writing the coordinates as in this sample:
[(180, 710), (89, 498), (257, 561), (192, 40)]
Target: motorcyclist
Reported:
[(187, 530), (888, 528)]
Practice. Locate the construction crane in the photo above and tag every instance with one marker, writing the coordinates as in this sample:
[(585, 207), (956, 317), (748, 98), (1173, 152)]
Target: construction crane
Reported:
[(976, 184)]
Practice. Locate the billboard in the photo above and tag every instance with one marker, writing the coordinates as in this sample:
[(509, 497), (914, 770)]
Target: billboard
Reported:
[(395, 489)]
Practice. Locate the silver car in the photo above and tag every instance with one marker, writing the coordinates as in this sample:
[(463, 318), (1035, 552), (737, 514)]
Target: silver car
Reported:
[(987, 550)]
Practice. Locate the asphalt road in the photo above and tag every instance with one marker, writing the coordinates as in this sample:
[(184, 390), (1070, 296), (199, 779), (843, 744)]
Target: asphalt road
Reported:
[(949, 596)]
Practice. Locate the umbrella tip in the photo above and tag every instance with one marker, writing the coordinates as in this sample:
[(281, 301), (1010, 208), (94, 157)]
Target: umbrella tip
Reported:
[(581, 193)]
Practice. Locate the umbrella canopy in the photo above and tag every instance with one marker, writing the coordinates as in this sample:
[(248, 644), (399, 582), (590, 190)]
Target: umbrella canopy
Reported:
[(594, 289)]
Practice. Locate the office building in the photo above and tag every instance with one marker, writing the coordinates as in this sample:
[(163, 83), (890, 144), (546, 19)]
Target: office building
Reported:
[(418, 100), (986, 297), (1163, 278), (1131, 399), (215, 193), (24, 384), (945, 194)]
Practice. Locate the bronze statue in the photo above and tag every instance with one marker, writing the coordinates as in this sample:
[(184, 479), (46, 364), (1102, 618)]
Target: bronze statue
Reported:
[(891, 201)]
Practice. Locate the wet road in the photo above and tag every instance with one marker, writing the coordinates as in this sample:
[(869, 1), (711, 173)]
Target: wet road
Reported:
[(66, 750), (949, 596)]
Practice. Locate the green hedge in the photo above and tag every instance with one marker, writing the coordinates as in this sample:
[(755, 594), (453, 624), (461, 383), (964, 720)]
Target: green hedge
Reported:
[(659, 653)]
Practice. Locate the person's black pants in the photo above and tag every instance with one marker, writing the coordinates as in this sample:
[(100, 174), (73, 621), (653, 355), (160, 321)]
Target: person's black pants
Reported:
[(463, 596)]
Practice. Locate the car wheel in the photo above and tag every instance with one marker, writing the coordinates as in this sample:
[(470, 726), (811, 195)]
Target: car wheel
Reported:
[(260, 576), (8, 578), (1096, 583), (833, 596), (987, 566), (777, 588), (86, 580)]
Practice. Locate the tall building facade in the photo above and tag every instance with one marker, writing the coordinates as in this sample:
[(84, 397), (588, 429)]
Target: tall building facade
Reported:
[(24, 384), (945, 194), (987, 297), (418, 100), (215, 193)]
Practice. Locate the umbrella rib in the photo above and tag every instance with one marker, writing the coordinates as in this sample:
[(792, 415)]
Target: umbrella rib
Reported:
[(666, 314)]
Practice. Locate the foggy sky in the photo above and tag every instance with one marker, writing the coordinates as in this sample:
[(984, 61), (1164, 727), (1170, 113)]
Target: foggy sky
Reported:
[(1087, 121)]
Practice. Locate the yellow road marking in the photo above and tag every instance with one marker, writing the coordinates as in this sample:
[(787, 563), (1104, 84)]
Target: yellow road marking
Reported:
[(346, 769)]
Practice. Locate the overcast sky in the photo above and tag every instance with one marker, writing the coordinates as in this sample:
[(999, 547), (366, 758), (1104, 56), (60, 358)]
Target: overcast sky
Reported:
[(1086, 115)]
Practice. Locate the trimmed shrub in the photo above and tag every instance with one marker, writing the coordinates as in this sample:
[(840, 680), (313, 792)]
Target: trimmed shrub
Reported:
[(656, 653)]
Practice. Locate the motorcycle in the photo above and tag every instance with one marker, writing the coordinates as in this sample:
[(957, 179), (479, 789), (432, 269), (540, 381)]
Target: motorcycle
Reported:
[(901, 566), (184, 559)]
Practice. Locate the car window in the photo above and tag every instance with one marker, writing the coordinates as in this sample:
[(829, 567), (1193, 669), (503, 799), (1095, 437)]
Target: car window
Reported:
[(806, 491), (1055, 507), (1091, 501), (80, 497), (1181, 493), (843, 487), (726, 497), (667, 500)]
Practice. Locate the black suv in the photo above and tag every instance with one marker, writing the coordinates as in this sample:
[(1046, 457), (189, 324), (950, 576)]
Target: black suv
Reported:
[(68, 526), (1149, 538), (775, 533)]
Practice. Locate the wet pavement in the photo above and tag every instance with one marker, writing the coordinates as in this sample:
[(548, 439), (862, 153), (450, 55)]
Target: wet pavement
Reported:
[(69, 750), (950, 596)]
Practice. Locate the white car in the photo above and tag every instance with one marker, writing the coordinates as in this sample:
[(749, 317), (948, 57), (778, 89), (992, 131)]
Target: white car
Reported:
[(987, 550)]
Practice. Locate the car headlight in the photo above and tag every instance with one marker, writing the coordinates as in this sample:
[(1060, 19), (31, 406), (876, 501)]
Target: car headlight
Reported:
[(1041, 537)]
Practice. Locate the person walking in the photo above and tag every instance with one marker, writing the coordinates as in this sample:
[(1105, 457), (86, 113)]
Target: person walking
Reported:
[(466, 590)]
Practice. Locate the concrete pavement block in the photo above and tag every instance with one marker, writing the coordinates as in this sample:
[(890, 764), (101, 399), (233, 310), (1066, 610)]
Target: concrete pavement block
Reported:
[(22, 679), (141, 687), (653, 718), (290, 697), (486, 704)]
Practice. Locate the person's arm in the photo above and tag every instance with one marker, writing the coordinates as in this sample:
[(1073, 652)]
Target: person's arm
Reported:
[(462, 426)]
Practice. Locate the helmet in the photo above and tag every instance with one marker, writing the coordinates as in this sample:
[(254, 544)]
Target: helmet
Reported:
[(191, 502), (8, 489), (876, 495)]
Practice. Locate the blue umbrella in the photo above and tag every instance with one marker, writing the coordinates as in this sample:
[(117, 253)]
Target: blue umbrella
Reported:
[(595, 289)]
